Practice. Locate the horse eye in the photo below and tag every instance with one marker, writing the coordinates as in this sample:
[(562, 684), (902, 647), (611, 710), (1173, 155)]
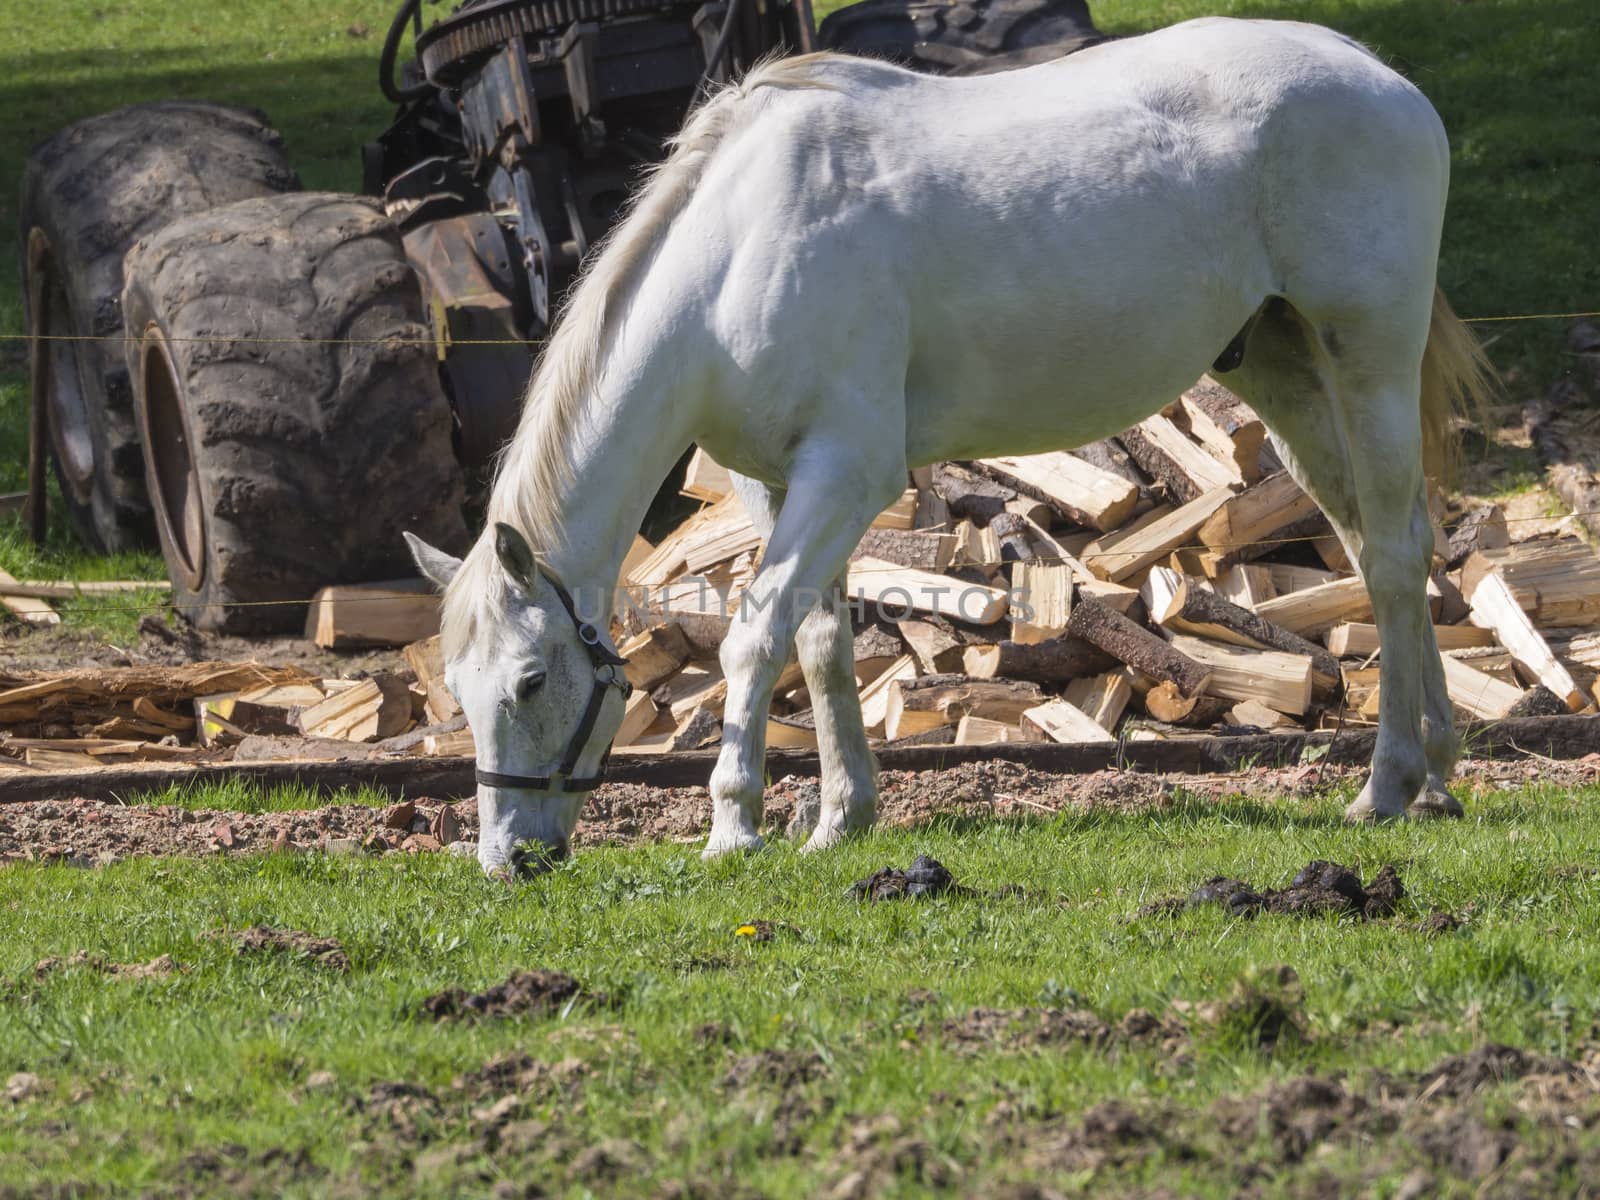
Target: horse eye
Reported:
[(529, 684)]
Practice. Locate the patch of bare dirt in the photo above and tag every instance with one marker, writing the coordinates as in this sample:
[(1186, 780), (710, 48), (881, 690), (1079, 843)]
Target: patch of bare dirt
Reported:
[(1011, 1029), (30, 647), (536, 993), (92, 833), (778, 1068), (264, 939), (1318, 887), (159, 967)]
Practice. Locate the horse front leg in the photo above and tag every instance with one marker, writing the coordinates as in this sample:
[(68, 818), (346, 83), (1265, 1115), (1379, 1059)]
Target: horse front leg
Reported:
[(833, 496)]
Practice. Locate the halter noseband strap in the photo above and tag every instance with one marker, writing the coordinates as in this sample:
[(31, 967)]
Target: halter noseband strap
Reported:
[(603, 658)]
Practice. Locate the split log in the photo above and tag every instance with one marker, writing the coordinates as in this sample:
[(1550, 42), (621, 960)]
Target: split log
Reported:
[(1044, 601), (700, 727), (1113, 595), (1010, 532), (798, 732), (654, 655), (1484, 528), (981, 731), (426, 660), (1102, 697), (671, 556), (1278, 680), (1315, 610), (22, 693), (915, 705), (1108, 455), (1556, 581), (706, 479), (1166, 704), (909, 548), (1182, 466), (1055, 661), (637, 553), (351, 616), (932, 512), (1256, 521), (902, 514), (1475, 693), (1246, 585), (1359, 639), (1176, 605), (875, 696), (1077, 489), (886, 584), (1494, 608), (1256, 715), (1226, 426), (970, 496), (364, 712), (1063, 722), (1138, 647), (637, 716), (1118, 555), (696, 685), (937, 648)]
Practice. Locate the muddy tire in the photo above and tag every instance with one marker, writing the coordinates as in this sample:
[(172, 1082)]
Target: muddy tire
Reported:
[(287, 393), (960, 37), (88, 194)]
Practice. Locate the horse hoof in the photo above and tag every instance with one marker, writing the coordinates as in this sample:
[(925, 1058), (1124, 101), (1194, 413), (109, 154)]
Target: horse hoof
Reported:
[(1362, 811), (739, 843), (1436, 804)]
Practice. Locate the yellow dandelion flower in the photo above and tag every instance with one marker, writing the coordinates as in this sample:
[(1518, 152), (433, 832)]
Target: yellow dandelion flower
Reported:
[(745, 931)]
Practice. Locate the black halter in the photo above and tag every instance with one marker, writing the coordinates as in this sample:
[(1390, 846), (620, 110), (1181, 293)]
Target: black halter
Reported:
[(604, 660)]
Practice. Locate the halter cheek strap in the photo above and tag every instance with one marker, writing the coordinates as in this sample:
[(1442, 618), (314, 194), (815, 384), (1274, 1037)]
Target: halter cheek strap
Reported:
[(608, 667)]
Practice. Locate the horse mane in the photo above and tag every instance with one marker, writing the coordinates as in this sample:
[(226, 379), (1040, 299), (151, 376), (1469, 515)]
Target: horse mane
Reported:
[(535, 469)]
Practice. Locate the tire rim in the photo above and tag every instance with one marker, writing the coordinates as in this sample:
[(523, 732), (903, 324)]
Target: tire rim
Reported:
[(70, 435), (174, 481)]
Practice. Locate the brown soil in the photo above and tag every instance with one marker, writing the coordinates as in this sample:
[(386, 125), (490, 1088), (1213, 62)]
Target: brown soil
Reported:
[(91, 833), (29, 647), (526, 992), (157, 968), (263, 939)]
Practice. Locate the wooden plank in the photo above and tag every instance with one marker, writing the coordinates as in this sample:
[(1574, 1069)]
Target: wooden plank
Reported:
[(1474, 692), (887, 584), (65, 589), (637, 716), (351, 616), (1063, 722), (27, 608), (1226, 426), (1119, 555), (1079, 490)]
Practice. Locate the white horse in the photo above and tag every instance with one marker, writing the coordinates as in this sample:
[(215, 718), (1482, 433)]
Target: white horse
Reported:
[(845, 269)]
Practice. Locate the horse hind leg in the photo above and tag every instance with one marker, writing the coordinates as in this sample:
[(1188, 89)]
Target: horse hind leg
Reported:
[(1348, 428)]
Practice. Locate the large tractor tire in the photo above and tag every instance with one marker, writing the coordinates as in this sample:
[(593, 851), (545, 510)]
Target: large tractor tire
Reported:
[(88, 194), (287, 394), (960, 37)]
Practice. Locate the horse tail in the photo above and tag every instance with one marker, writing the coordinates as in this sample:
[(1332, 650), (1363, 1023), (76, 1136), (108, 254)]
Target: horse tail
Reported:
[(1457, 377)]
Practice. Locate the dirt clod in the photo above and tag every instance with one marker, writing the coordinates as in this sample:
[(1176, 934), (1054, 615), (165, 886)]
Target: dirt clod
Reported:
[(526, 992), (264, 939), (925, 877), (1318, 887), (157, 968), (781, 1068)]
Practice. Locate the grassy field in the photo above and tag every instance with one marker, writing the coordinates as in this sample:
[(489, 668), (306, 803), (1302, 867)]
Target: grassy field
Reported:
[(848, 1055), (1514, 80)]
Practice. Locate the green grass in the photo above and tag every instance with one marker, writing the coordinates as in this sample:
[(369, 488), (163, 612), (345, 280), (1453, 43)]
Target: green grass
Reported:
[(145, 1082), (1513, 79)]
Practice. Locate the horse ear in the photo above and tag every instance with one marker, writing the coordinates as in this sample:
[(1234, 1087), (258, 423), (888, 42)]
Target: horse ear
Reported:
[(516, 556), (434, 564)]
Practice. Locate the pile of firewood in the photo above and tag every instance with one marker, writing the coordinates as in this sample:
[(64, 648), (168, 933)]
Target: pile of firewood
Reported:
[(1171, 582)]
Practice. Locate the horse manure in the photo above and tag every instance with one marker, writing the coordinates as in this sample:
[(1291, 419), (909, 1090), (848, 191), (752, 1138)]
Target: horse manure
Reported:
[(263, 939), (925, 877), (1318, 887), (535, 992)]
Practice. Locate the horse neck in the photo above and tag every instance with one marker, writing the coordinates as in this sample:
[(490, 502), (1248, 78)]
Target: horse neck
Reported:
[(638, 424)]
